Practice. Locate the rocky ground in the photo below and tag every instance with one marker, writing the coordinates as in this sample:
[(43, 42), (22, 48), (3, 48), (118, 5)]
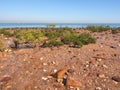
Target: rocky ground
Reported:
[(92, 67)]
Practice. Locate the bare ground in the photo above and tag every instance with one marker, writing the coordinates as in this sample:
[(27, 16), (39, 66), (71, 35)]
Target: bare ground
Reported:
[(93, 65)]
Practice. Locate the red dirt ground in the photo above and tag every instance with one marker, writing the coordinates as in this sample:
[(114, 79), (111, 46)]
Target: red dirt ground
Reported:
[(93, 65)]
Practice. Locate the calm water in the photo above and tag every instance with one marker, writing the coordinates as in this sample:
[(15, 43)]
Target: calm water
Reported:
[(73, 25)]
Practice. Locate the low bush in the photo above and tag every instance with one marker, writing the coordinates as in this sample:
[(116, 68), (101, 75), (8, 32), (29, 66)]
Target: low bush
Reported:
[(115, 30), (51, 34), (5, 32), (16, 43), (51, 43), (78, 40), (86, 38), (98, 28), (51, 37), (2, 45)]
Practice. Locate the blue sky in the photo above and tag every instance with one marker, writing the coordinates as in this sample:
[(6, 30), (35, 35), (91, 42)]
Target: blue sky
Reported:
[(65, 11)]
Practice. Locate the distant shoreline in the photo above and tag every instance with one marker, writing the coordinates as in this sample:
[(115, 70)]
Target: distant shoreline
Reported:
[(57, 25)]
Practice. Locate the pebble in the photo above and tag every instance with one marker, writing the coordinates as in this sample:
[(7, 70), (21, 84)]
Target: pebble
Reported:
[(44, 78), (101, 46), (61, 73), (53, 62), (98, 88), (49, 77), (119, 45), (105, 66), (44, 70), (70, 71), (35, 87), (86, 66), (5, 78), (72, 82), (45, 64), (41, 58), (116, 78), (55, 89), (55, 70), (101, 75), (9, 87), (99, 59)]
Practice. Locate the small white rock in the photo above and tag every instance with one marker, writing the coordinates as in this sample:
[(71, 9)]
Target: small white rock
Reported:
[(49, 77), (101, 46), (6, 50), (44, 70), (71, 87), (105, 66), (41, 58), (99, 59), (53, 62), (44, 78), (55, 70), (87, 66), (35, 87), (98, 88), (44, 64), (55, 89), (9, 50)]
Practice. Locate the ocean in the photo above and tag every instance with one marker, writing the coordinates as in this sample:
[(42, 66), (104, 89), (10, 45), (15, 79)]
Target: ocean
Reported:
[(72, 25)]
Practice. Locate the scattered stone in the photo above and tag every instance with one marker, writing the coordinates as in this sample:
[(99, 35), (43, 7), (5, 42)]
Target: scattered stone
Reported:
[(115, 82), (116, 78), (119, 45), (70, 71), (105, 66), (44, 70), (41, 58), (74, 83), (98, 88), (5, 78), (55, 70), (101, 46), (35, 87), (99, 59), (45, 64), (44, 78), (61, 73), (101, 75), (87, 66), (60, 81), (49, 77), (55, 89), (9, 88), (53, 62), (112, 46)]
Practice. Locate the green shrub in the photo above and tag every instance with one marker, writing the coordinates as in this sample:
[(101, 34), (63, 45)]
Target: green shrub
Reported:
[(37, 34), (97, 28), (5, 32), (56, 37), (29, 37), (86, 38), (115, 30), (68, 37), (1, 45), (51, 25), (52, 43), (16, 43), (78, 43), (51, 34), (25, 36)]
